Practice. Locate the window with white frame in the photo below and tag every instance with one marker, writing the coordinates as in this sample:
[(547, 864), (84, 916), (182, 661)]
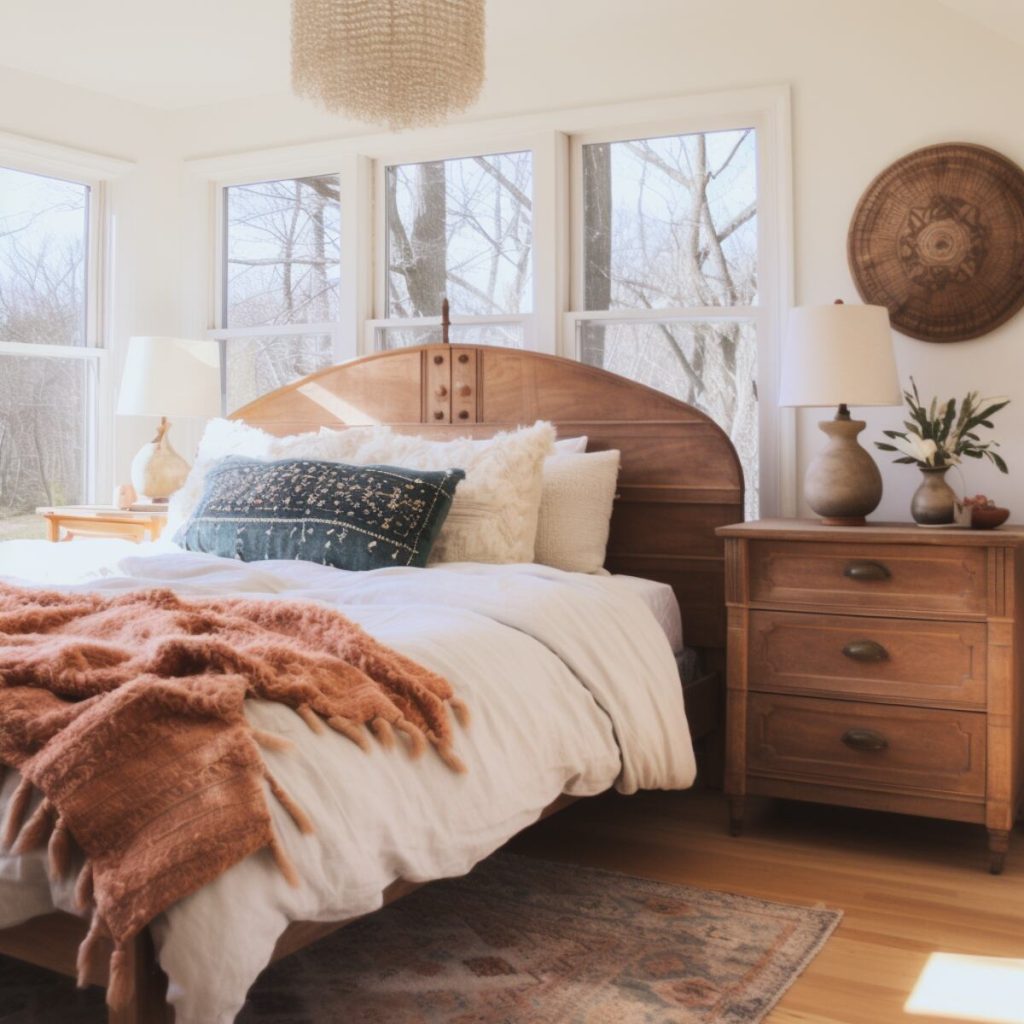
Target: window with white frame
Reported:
[(650, 239), (460, 228), (280, 283), (666, 289), (49, 361)]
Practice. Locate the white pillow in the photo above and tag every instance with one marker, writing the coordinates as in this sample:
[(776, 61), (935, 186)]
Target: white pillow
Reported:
[(493, 517), (565, 445), (576, 510), (233, 437)]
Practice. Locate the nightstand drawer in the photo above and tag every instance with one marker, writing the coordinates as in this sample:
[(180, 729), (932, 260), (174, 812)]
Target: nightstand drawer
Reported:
[(892, 577), (866, 746), (941, 663)]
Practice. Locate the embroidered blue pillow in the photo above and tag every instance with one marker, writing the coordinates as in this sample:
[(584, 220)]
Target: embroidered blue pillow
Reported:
[(351, 517)]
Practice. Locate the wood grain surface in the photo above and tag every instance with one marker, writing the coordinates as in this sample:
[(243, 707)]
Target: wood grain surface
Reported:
[(878, 668), (908, 887)]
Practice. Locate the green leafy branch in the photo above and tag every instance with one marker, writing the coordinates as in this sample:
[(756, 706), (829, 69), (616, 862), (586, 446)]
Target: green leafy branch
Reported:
[(942, 436)]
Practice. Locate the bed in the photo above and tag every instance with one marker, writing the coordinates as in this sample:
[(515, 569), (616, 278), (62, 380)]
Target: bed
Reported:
[(680, 478)]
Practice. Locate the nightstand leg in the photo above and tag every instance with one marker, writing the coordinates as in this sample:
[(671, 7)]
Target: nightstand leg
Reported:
[(52, 529), (736, 807), (998, 845)]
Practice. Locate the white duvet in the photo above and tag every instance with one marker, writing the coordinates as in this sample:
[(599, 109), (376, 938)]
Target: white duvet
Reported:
[(572, 688)]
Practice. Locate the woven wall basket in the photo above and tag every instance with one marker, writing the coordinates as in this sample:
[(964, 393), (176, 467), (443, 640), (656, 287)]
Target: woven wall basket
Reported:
[(938, 238)]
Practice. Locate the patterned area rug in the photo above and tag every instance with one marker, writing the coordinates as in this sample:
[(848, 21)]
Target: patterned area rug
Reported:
[(518, 941)]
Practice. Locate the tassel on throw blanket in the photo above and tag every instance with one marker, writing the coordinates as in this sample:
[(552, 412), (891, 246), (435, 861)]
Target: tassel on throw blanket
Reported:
[(127, 714)]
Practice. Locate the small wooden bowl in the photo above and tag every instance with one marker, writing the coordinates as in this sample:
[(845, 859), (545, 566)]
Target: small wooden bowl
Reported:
[(988, 518)]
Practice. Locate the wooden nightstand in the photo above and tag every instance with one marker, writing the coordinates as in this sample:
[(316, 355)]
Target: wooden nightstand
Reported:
[(876, 667), (102, 521)]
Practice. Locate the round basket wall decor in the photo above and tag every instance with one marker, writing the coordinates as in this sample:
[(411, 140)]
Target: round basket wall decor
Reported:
[(938, 238)]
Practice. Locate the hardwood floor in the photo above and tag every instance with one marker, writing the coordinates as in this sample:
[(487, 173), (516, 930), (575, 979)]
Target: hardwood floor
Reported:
[(908, 886)]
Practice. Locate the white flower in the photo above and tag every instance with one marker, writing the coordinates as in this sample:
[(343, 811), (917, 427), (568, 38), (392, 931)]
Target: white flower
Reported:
[(919, 448)]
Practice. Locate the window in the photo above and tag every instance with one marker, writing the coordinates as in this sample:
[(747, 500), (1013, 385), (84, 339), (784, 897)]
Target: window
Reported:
[(281, 283), (650, 239), (461, 228), (48, 362), (669, 272)]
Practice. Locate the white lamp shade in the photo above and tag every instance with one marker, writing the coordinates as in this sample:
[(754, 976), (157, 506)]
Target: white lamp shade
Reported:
[(839, 354), (170, 377)]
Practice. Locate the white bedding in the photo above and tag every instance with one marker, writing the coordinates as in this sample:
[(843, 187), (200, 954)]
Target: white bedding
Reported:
[(660, 598), (571, 685)]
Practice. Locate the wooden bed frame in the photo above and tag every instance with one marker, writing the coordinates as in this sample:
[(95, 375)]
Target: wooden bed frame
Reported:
[(680, 479)]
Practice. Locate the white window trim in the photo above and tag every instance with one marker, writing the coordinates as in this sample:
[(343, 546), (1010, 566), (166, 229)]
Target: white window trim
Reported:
[(547, 150), (95, 170), (777, 493), (353, 172), (525, 320), (360, 159)]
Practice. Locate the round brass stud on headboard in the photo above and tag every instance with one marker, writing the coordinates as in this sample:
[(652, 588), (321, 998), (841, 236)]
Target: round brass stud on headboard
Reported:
[(463, 414), (463, 358), (438, 414), (438, 360)]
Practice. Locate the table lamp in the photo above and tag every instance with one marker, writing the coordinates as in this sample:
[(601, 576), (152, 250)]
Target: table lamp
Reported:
[(167, 377), (840, 355)]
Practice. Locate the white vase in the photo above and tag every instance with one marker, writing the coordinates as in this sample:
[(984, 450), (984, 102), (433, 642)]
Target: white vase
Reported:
[(157, 469)]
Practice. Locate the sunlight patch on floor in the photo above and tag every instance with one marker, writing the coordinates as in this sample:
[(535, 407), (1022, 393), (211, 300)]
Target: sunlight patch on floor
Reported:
[(970, 988)]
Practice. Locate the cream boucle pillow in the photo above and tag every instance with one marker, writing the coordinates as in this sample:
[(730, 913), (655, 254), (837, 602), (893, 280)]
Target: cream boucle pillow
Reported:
[(233, 437), (494, 515), (576, 510)]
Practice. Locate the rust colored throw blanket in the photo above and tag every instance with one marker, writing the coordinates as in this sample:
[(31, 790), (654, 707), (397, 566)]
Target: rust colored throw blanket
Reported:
[(126, 713)]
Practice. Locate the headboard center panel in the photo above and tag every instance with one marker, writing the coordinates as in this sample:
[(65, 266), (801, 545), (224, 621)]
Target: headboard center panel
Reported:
[(680, 477)]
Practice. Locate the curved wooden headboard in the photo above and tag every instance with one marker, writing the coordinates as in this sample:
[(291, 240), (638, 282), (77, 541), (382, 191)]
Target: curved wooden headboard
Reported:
[(680, 476)]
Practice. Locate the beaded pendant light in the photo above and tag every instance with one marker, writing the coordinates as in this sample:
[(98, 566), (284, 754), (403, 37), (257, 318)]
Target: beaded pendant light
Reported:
[(402, 63)]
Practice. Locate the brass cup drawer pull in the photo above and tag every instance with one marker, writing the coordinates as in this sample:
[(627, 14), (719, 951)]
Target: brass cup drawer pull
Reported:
[(865, 739), (865, 650), (866, 572)]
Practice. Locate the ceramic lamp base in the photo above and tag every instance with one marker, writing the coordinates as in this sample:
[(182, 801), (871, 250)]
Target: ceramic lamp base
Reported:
[(158, 470), (843, 485)]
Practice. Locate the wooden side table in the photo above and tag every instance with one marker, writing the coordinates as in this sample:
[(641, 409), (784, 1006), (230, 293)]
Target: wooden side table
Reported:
[(102, 521), (877, 667)]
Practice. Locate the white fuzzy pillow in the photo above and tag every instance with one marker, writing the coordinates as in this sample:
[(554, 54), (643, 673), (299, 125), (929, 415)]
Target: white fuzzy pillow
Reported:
[(494, 515), (576, 510), (233, 437)]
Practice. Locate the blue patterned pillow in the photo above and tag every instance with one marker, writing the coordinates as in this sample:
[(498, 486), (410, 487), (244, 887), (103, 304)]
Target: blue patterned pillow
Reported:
[(351, 517)]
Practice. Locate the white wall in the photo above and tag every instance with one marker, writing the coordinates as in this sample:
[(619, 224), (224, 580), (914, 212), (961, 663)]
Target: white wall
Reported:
[(871, 80)]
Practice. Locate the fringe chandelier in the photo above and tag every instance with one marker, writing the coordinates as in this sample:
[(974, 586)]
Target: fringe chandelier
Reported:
[(402, 63)]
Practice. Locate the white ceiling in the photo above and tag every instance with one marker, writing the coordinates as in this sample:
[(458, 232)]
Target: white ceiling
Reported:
[(174, 54), (168, 54)]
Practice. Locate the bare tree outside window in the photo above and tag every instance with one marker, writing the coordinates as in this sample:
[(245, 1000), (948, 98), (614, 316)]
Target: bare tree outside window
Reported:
[(256, 364), (509, 335), (461, 228), (670, 224), (282, 267), (46, 401)]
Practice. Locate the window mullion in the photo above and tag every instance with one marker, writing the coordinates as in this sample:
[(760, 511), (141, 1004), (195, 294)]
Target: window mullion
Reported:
[(702, 313), (550, 242), (275, 330), (356, 300), (25, 348)]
